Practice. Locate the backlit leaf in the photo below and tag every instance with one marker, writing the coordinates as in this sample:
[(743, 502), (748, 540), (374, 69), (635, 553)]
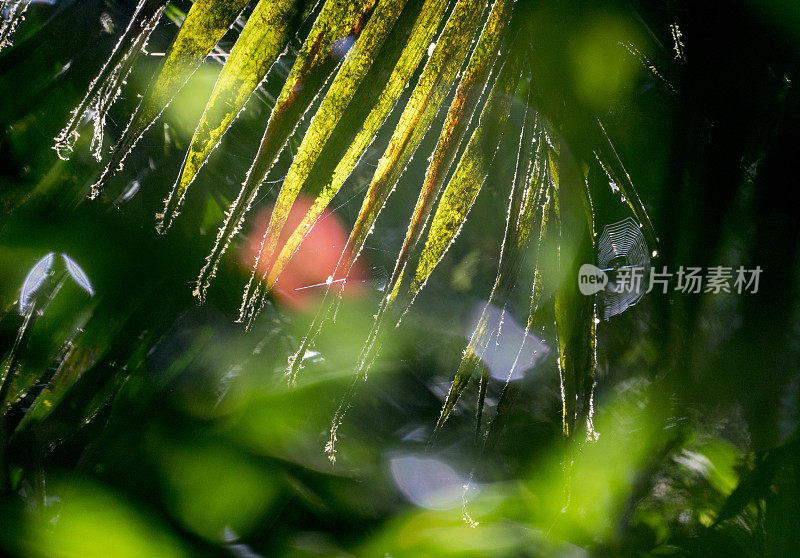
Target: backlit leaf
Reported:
[(373, 75), (483, 59), (262, 40), (609, 159), (457, 199), (436, 80), (13, 15), (575, 313), (328, 41), (106, 87), (463, 188), (529, 182), (205, 24)]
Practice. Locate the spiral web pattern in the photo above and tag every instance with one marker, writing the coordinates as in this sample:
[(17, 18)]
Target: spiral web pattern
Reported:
[(623, 253)]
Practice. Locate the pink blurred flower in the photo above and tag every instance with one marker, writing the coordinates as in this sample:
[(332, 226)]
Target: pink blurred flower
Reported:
[(305, 275)]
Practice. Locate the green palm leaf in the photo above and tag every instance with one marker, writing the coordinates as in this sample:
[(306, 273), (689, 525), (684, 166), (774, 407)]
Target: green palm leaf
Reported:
[(327, 41), (457, 199), (357, 59), (372, 78), (106, 87), (261, 42), (205, 24), (436, 80), (575, 313), (529, 182)]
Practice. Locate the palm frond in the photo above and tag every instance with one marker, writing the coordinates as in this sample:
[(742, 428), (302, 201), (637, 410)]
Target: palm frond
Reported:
[(355, 62)]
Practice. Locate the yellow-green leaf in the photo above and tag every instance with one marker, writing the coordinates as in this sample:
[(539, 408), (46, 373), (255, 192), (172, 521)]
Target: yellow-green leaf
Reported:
[(575, 313), (456, 201), (327, 42), (371, 79), (466, 99), (436, 80), (262, 40), (205, 24), (463, 188), (535, 320), (529, 182)]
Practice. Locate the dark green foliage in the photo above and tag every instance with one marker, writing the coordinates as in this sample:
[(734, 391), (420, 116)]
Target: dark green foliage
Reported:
[(470, 165)]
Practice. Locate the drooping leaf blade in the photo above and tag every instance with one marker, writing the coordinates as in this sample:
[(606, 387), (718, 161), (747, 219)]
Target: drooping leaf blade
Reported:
[(436, 80), (262, 40), (373, 76), (453, 208), (527, 187), (416, 45), (535, 320), (105, 88), (434, 84), (463, 188), (466, 99), (464, 103), (452, 211), (13, 14), (203, 27), (609, 159), (328, 40), (575, 313)]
